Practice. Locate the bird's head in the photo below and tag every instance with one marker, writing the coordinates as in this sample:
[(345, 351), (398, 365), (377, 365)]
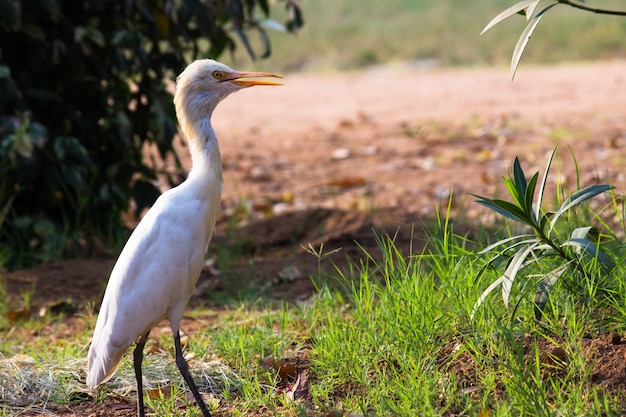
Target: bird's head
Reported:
[(206, 82)]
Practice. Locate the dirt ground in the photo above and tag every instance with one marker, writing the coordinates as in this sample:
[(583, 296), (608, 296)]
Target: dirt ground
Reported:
[(329, 158)]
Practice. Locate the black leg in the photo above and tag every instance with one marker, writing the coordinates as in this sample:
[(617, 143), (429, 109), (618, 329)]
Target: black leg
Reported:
[(184, 370), (137, 359)]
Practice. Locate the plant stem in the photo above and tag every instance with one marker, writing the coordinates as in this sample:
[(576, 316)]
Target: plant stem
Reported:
[(559, 250), (591, 9)]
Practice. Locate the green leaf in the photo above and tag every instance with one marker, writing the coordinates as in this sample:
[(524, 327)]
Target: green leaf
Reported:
[(505, 208), (10, 11), (542, 189), (506, 280), (516, 8), (530, 193), (513, 191), (511, 271), (584, 244), (581, 232), (544, 287), (530, 11), (265, 7), (79, 33), (519, 177), (294, 19), (272, 25), (34, 32), (507, 240), (525, 37), (484, 295), (97, 37), (579, 197)]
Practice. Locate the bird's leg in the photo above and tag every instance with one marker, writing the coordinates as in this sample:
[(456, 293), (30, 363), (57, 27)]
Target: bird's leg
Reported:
[(137, 359), (184, 370)]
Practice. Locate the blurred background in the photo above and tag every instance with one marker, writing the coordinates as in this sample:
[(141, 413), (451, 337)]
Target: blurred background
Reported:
[(86, 86), (353, 34)]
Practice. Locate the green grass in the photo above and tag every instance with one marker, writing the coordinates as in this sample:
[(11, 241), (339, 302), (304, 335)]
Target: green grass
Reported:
[(349, 34), (395, 339), (400, 335)]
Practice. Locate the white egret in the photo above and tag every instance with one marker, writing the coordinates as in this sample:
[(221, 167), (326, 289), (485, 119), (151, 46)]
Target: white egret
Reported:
[(158, 268)]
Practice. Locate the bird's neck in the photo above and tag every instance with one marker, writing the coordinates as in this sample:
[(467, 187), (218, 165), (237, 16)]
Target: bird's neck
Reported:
[(205, 155), (205, 178)]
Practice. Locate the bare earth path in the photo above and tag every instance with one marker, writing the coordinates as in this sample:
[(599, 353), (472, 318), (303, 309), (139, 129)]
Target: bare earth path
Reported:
[(326, 158), (397, 137), (399, 94)]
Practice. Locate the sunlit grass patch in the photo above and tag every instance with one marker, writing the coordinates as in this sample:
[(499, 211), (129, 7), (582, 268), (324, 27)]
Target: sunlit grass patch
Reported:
[(392, 333)]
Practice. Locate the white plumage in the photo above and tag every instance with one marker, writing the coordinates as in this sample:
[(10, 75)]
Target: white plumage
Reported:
[(158, 268)]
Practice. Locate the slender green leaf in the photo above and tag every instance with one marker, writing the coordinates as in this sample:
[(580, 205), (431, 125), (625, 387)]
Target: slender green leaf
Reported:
[(579, 197), (542, 188), (514, 191), (525, 37), (584, 244), (516, 8), (581, 232), (505, 208), (544, 287), (530, 10), (511, 271), (505, 241), (484, 295), (519, 177), (273, 25), (576, 167), (530, 193)]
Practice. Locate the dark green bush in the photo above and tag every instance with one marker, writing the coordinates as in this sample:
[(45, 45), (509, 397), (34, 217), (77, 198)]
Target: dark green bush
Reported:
[(83, 85)]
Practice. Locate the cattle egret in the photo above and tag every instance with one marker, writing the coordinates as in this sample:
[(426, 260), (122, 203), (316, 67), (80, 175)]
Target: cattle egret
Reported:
[(158, 268)]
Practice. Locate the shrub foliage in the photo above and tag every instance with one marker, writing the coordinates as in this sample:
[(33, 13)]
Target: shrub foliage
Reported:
[(83, 86)]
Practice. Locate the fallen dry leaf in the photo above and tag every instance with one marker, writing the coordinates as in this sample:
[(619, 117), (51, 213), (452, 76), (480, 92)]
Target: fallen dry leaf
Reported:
[(293, 377), (345, 182), (164, 392), (285, 368), (300, 387), (341, 413), (268, 363), (346, 123), (121, 406), (17, 315), (556, 357), (485, 412)]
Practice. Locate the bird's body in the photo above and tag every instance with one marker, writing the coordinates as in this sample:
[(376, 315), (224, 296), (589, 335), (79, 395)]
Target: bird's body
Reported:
[(160, 265), (148, 288)]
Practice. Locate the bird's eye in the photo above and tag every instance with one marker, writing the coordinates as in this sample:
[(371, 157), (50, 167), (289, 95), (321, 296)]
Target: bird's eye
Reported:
[(218, 75)]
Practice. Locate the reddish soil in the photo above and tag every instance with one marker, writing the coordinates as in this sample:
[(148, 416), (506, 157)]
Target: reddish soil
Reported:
[(327, 158)]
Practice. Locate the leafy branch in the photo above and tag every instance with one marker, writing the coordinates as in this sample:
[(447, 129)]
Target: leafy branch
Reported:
[(543, 242), (529, 9)]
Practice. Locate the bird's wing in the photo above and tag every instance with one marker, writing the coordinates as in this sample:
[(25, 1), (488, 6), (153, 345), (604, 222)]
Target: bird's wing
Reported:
[(156, 272)]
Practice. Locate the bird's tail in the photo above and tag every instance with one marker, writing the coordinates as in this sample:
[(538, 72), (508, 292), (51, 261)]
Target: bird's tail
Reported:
[(101, 366)]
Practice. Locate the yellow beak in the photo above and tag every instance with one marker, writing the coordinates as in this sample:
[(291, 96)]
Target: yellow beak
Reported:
[(235, 77)]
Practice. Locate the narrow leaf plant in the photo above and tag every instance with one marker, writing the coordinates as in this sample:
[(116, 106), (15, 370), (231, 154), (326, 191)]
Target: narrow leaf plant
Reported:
[(550, 236)]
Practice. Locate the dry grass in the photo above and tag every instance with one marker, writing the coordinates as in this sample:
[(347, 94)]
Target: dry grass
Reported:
[(30, 386)]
